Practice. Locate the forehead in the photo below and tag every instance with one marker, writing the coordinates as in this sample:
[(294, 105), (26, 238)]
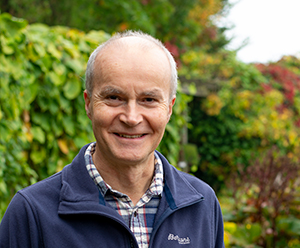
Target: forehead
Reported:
[(133, 48), (132, 57)]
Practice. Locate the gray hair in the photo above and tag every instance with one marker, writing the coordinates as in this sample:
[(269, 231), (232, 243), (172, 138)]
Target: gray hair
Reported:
[(89, 74)]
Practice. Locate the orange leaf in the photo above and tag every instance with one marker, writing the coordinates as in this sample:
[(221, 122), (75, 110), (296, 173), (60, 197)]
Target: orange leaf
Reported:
[(63, 146)]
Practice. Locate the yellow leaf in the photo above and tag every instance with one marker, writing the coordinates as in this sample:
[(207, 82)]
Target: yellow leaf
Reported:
[(29, 137), (63, 146)]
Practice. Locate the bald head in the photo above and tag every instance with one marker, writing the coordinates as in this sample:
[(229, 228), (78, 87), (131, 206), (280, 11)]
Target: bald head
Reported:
[(129, 41)]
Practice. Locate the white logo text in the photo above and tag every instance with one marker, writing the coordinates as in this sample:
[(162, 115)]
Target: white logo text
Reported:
[(181, 241)]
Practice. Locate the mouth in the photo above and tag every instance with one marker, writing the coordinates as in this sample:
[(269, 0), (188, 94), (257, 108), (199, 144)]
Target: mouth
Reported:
[(128, 136)]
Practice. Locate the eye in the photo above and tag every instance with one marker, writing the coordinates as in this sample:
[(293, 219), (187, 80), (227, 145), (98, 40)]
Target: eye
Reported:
[(113, 97), (113, 100), (149, 99)]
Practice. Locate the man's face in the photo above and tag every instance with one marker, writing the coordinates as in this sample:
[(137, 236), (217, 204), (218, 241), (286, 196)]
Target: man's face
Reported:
[(130, 103)]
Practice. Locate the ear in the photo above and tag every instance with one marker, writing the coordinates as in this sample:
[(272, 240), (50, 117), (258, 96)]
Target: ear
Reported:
[(87, 104), (171, 104)]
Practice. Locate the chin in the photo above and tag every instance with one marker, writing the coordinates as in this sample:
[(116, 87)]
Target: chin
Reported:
[(132, 158)]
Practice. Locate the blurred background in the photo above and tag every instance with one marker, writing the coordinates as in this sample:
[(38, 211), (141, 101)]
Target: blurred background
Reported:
[(265, 30), (236, 121)]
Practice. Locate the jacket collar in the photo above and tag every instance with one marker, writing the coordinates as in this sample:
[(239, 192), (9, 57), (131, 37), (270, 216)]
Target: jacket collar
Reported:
[(78, 191), (178, 190), (79, 194)]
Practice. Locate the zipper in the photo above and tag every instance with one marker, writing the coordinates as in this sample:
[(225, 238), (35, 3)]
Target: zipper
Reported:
[(133, 242)]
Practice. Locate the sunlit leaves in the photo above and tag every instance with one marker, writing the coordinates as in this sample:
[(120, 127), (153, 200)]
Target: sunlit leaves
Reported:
[(72, 89), (42, 118), (12, 25), (38, 134), (212, 105), (253, 110)]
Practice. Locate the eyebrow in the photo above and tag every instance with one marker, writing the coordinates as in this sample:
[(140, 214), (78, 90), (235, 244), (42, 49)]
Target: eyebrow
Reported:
[(152, 93), (109, 90)]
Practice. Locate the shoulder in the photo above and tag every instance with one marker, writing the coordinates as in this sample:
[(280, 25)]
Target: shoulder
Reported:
[(190, 179), (200, 186), (41, 195), (196, 182), (50, 184), (182, 183)]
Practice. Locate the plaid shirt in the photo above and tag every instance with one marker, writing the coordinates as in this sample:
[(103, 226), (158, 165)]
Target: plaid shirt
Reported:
[(139, 218)]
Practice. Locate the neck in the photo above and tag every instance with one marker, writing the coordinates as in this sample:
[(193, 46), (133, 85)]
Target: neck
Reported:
[(129, 179)]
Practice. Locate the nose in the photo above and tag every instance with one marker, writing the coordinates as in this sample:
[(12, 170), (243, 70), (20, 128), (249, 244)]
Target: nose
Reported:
[(131, 115)]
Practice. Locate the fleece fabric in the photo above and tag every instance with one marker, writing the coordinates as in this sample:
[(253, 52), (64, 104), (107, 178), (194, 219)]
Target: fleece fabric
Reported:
[(67, 210)]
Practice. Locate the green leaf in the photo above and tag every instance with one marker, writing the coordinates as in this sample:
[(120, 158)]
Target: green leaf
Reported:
[(42, 120), (54, 78), (54, 51), (31, 53), (75, 65), (53, 107), (289, 225), (38, 156), (83, 46), (72, 89), (40, 50), (68, 125), (12, 25), (5, 132), (5, 47), (30, 93), (65, 104), (37, 29), (97, 37), (56, 127), (59, 68), (71, 49), (81, 140), (38, 134), (83, 120)]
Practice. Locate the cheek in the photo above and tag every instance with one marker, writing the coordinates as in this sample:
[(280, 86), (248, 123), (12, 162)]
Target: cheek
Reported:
[(159, 120), (101, 118)]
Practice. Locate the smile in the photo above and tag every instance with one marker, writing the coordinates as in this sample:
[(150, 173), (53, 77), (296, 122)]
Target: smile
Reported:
[(130, 136)]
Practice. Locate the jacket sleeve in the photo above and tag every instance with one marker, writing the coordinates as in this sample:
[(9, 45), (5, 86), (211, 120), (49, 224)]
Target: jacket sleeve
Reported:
[(19, 227), (219, 227)]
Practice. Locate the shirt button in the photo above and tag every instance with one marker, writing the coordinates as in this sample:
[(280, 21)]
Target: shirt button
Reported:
[(135, 214)]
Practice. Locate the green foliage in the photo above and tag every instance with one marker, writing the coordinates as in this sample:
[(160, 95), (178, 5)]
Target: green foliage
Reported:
[(41, 111), (170, 145), (255, 108), (43, 122), (191, 155), (183, 23)]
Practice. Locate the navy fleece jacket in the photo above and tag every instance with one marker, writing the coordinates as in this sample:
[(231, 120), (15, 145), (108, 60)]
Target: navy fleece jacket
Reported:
[(67, 210)]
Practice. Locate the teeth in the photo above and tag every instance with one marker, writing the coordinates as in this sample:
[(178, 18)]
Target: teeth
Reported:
[(130, 136)]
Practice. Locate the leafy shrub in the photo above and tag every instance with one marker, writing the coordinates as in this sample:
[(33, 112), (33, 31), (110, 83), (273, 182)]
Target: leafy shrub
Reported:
[(266, 201), (43, 122), (256, 107), (42, 118)]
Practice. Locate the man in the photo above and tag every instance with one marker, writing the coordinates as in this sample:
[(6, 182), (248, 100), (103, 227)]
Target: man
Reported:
[(119, 191)]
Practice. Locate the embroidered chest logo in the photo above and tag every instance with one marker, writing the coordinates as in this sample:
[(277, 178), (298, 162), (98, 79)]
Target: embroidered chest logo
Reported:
[(181, 241)]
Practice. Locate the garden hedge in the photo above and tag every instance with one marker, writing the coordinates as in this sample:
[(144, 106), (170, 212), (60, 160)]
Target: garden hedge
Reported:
[(43, 123)]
